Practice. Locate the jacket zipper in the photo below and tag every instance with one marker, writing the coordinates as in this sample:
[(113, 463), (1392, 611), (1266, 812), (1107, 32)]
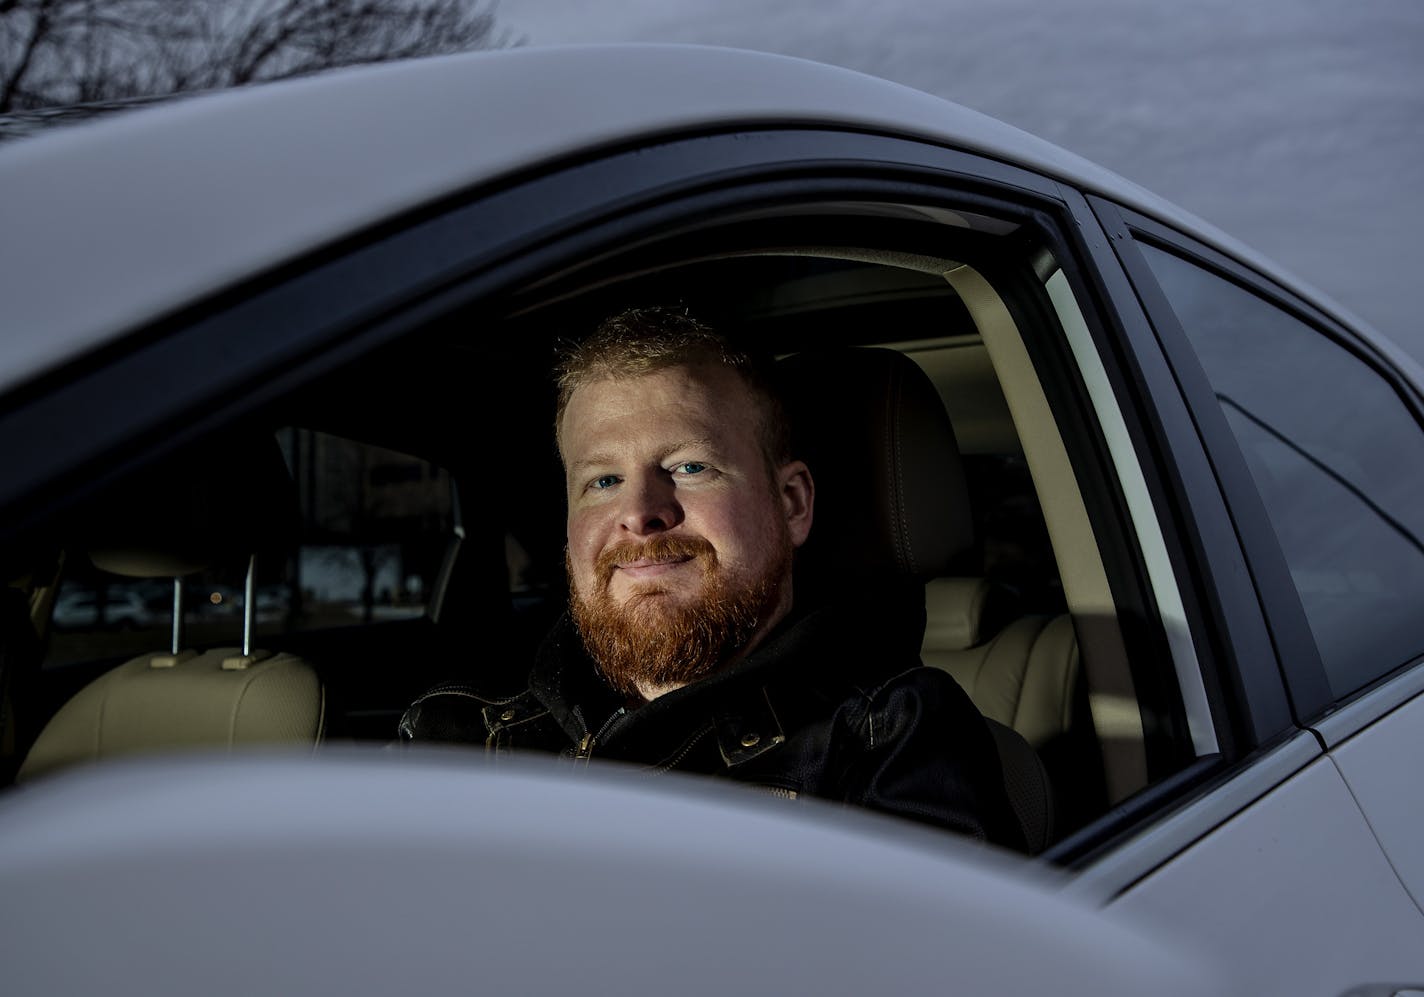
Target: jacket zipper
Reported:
[(676, 759), (781, 791), (586, 743)]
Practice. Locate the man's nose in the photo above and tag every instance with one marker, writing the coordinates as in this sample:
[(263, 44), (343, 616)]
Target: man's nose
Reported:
[(649, 505)]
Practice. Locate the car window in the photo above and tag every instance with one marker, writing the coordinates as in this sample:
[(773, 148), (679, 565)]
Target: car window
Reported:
[(373, 530), (1030, 621), (1338, 460), (1049, 620)]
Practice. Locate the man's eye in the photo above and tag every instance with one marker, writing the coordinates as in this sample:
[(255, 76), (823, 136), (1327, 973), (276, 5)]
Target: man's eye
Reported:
[(607, 481), (690, 467)]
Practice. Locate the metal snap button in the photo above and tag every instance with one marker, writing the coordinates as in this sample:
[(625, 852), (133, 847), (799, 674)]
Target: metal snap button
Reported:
[(507, 715), (751, 740)]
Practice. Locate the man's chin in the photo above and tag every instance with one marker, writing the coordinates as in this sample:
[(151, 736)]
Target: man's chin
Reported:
[(654, 638), (669, 631), (659, 599)]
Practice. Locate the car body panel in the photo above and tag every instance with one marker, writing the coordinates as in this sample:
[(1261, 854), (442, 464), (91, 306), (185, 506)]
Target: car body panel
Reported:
[(1339, 726), (420, 872), (1104, 876), (253, 177), (1292, 893), (1380, 764)]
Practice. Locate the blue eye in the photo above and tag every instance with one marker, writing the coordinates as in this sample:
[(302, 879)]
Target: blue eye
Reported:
[(607, 481), (690, 467)]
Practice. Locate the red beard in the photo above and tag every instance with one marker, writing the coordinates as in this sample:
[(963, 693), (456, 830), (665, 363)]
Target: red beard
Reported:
[(652, 641)]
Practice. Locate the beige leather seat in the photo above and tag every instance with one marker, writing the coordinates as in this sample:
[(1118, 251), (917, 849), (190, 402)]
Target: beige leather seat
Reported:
[(892, 511), (1023, 675), (217, 699), (219, 508)]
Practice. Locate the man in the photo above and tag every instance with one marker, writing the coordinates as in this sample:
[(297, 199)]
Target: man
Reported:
[(684, 647)]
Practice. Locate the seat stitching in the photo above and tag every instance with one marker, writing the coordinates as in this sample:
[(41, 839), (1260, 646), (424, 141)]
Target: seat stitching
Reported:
[(902, 538), (237, 704), (99, 726), (320, 718), (1066, 691), (984, 661), (1023, 678)]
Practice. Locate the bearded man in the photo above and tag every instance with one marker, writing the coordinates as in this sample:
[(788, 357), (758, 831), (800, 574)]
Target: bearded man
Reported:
[(684, 647)]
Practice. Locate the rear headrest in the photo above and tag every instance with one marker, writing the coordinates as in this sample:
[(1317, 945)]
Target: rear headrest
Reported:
[(208, 508), (955, 607), (891, 499)]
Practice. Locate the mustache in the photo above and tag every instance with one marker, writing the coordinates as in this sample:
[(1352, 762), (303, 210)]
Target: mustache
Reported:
[(663, 548)]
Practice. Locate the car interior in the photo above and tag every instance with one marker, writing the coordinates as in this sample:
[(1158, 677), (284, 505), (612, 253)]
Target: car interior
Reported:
[(398, 522)]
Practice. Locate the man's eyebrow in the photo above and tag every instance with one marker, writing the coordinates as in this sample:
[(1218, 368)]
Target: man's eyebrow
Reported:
[(592, 460), (605, 459), (702, 444)]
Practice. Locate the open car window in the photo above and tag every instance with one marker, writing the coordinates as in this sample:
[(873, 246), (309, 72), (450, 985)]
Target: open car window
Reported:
[(1030, 620), (430, 496)]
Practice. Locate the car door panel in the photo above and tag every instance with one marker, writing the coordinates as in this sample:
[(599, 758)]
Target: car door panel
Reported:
[(1293, 892), (1380, 765)]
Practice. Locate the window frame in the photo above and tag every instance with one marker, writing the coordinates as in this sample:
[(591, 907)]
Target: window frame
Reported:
[(391, 282), (1299, 656), (1221, 603)]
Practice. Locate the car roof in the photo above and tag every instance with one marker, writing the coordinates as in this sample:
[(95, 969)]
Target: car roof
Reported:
[(112, 223)]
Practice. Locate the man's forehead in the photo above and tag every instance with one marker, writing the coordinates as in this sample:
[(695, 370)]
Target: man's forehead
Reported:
[(702, 373), (686, 387), (700, 401)]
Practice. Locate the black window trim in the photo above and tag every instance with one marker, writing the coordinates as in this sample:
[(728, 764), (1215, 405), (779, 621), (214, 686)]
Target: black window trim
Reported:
[(1303, 668), (1223, 612)]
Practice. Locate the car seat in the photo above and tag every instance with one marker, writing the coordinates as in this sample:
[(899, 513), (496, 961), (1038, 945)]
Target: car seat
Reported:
[(221, 507), (1022, 674), (892, 511)]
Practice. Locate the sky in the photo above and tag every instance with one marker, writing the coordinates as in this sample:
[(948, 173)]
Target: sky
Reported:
[(1295, 125)]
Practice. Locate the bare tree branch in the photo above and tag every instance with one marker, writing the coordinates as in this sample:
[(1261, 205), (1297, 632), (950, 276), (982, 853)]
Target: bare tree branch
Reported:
[(55, 53), (29, 37)]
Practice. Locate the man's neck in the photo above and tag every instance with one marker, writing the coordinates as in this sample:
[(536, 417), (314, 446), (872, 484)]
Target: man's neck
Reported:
[(650, 692)]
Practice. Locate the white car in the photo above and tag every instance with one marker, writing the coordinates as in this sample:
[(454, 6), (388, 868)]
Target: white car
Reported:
[(123, 609), (1195, 591)]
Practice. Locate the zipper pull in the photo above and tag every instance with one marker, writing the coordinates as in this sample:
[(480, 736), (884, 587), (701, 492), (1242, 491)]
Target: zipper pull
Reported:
[(585, 745)]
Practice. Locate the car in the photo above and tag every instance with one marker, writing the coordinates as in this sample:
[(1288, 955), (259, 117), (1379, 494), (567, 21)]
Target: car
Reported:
[(123, 608), (296, 337)]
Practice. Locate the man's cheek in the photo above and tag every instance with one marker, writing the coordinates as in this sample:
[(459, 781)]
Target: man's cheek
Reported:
[(582, 546), (586, 580), (580, 570)]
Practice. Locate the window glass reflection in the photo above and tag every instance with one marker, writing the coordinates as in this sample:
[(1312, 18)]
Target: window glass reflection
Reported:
[(1339, 461)]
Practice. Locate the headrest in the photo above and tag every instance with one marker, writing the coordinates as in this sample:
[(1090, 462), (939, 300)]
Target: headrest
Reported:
[(891, 500), (955, 607), (208, 508)]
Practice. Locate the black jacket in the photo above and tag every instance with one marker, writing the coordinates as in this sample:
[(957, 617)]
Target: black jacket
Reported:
[(820, 708)]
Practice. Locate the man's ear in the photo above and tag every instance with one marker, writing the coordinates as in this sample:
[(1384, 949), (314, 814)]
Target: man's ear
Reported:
[(798, 499)]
